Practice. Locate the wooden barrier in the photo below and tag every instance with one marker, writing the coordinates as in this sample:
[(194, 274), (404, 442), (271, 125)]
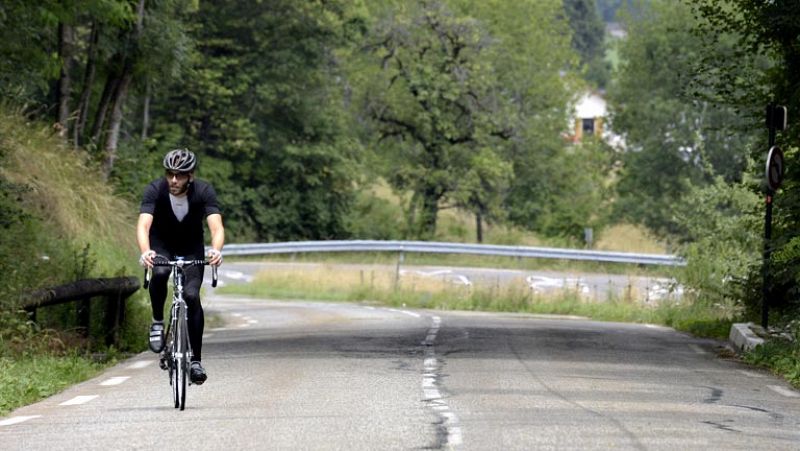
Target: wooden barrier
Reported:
[(115, 290)]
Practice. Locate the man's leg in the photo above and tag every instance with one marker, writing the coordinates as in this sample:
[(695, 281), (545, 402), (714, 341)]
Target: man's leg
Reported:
[(158, 296), (191, 294)]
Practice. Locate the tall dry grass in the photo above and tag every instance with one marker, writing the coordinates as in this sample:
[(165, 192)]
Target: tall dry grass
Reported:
[(65, 189), (381, 285)]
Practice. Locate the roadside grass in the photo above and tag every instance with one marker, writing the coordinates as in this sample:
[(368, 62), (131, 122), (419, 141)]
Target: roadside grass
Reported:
[(382, 287), (781, 356), (36, 363), (29, 378)]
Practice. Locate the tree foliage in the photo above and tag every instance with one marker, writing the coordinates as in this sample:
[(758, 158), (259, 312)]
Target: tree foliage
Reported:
[(675, 139), (588, 38), (766, 46), (294, 108)]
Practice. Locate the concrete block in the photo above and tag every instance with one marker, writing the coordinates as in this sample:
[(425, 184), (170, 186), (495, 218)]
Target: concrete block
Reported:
[(743, 338)]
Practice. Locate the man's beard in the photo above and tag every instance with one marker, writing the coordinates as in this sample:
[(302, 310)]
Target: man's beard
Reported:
[(181, 191)]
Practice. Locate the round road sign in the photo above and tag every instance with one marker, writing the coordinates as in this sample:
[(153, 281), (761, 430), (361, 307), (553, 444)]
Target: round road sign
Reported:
[(774, 168)]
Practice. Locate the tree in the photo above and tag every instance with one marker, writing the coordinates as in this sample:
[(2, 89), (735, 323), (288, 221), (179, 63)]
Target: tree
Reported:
[(674, 139), (762, 66), (588, 38), (555, 186), (263, 104), (435, 105)]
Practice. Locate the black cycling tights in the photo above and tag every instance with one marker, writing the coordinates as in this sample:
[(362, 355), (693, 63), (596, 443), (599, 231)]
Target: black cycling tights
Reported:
[(191, 294)]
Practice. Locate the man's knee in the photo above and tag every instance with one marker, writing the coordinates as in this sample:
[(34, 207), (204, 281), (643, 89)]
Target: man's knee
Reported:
[(160, 273), (192, 298)]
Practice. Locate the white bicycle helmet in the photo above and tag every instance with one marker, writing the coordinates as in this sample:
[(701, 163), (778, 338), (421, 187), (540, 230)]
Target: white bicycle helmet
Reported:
[(180, 160)]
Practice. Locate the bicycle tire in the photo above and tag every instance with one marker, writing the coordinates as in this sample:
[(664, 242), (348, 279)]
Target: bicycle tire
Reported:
[(173, 366), (183, 359)]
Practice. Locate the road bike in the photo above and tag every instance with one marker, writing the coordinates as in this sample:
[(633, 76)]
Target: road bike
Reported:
[(177, 354)]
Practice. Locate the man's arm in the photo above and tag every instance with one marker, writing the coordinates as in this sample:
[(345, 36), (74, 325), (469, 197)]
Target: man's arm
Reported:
[(143, 238), (217, 237)]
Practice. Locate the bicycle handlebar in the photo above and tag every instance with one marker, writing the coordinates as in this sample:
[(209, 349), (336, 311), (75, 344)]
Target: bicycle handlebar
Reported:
[(160, 260)]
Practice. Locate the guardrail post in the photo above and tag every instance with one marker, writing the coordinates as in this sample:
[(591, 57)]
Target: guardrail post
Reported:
[(400, 259), (114, 309), (83, 312)]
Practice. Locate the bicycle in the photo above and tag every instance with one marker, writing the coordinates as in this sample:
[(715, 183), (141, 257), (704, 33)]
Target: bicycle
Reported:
[(177, 354)]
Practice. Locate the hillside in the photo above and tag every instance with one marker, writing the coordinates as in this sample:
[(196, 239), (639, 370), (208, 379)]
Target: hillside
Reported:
[(60, 220)]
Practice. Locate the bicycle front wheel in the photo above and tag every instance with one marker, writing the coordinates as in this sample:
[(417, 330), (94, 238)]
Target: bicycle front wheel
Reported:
[(173, 363), (182, 362)]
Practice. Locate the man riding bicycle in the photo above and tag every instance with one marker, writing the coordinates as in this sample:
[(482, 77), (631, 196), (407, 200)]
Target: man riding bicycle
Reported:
[(171, 224)]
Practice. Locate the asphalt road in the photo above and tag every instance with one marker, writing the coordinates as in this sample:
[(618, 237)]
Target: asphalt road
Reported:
[(300, 375)]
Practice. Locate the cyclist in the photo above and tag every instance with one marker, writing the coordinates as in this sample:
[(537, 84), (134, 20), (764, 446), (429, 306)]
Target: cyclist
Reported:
[(171, 224)]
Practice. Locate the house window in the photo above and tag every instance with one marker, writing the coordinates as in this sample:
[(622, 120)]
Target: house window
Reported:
[(588, 126)]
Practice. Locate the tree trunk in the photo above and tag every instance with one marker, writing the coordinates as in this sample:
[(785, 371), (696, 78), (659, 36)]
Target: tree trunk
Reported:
[(102, 108), (65, 50), (115, 124), (146, 111), (88, 80), (479, 227), (121, 93), (429, 212)]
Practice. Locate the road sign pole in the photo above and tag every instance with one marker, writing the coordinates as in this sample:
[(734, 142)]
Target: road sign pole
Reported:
[(765, 264), (776, 120)]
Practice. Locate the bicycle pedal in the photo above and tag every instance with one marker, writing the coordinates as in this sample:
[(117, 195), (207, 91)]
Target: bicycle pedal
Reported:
[(163, 363)]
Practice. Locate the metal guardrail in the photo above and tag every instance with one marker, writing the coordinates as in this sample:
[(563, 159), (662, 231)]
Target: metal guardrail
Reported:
[(451, 248)]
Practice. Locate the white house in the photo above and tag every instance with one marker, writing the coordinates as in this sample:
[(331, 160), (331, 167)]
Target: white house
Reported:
[(589, 118), (590, 113)]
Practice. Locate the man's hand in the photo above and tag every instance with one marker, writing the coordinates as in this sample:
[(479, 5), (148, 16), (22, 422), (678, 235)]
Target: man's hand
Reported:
[(214, 257), (146, 259)]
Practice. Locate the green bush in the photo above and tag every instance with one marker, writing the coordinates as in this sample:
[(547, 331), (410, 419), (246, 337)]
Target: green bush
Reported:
[(720, 226), (779, 355)]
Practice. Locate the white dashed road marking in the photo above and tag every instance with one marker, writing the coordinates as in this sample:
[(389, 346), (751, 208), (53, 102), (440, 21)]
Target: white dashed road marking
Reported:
[(432, 396), (78, 400), (115, 380), (17, 420), (139, 365)]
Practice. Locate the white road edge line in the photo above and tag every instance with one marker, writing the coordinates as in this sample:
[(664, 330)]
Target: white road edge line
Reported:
[(750, 373), (115, 380), (697, 349), (17, 420), (79, 400), (405, 312), (784, 391)]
